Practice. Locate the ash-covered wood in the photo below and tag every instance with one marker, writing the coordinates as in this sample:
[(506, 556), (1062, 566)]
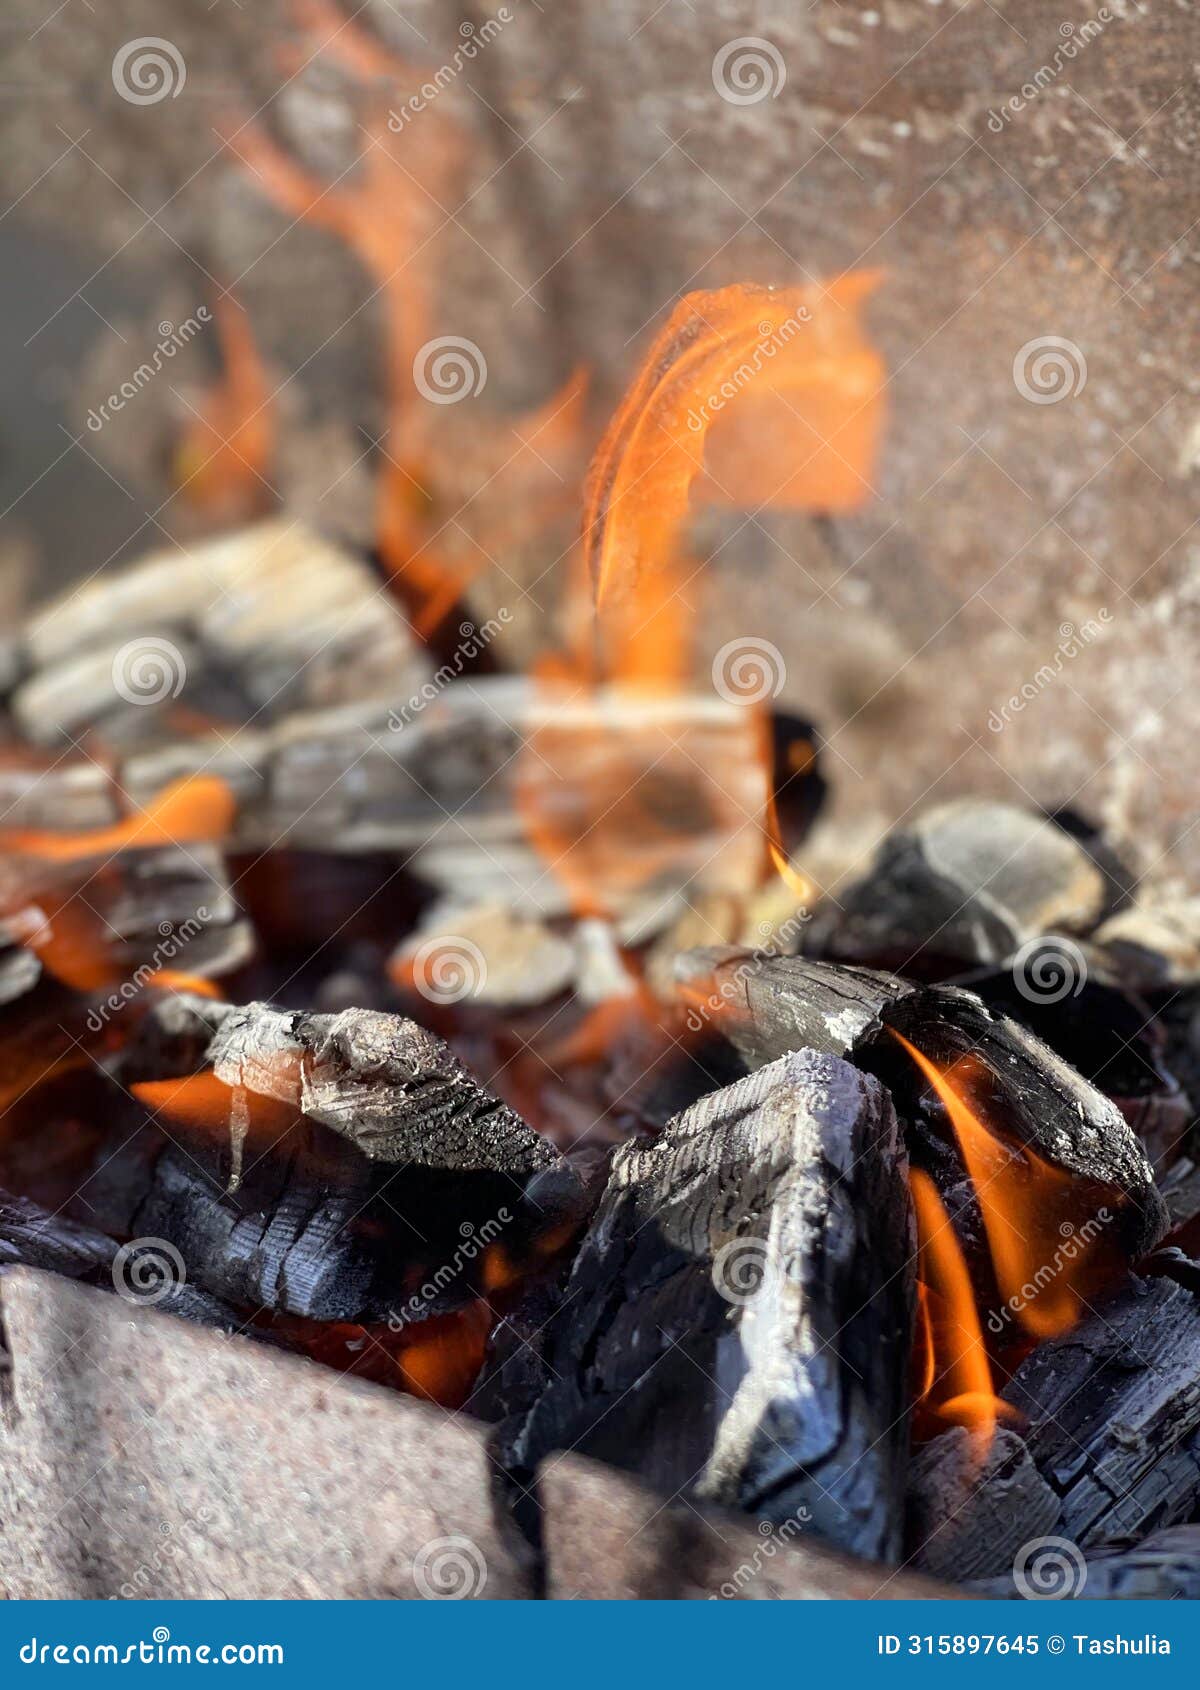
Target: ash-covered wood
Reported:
[(971, 880), (1165, 1567), (737, 1321), (391, 1088), (765, 1005), (256, 624), (1112, 1415), (452, 778)]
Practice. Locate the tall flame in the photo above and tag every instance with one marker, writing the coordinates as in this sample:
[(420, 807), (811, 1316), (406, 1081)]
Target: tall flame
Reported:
[(1046, 1258)]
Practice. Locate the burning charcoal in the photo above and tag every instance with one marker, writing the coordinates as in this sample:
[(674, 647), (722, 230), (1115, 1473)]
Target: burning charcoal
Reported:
[(38, 1238), (255, 624), (1113, 1415), (286, 1236), (737, 1320), (972, 1507), (394, 1090), (972, 880), (1023, 1088), (457, 781), (1110, 1036), (499, 958), (767, 1005)]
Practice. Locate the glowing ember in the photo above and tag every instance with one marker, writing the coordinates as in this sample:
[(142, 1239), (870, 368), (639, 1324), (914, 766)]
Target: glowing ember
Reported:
[(195, 809)]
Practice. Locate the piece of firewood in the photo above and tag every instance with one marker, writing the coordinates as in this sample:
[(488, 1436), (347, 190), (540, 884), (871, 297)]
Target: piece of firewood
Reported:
[(256, 624), (737, 1320), (394, 1090), (765, 1005), (973, 1504), (972, 880)]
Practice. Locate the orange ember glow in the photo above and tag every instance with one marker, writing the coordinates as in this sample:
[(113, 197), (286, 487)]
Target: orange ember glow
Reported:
[(955, 1375), (1047, 1258), (222, 461), (194, 810), (203, 1105)]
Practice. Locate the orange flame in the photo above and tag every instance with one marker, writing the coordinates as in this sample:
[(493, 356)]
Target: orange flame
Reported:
[(222, 461), (46, 906), (719, 350), (805, 432), (1045, 1261), (956, 1383)]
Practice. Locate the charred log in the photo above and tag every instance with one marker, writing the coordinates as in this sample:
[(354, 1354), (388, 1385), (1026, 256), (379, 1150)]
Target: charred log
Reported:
[(726, 1330), (1112, 1415), (766, 1005), (254, 625)]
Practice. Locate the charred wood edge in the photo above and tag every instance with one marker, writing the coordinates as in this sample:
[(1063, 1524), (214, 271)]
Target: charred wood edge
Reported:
[(1164, 1567), (271, 612), (441, 782), (766, 1005), (804, 1161), (285, 1241), (31, 1236)]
